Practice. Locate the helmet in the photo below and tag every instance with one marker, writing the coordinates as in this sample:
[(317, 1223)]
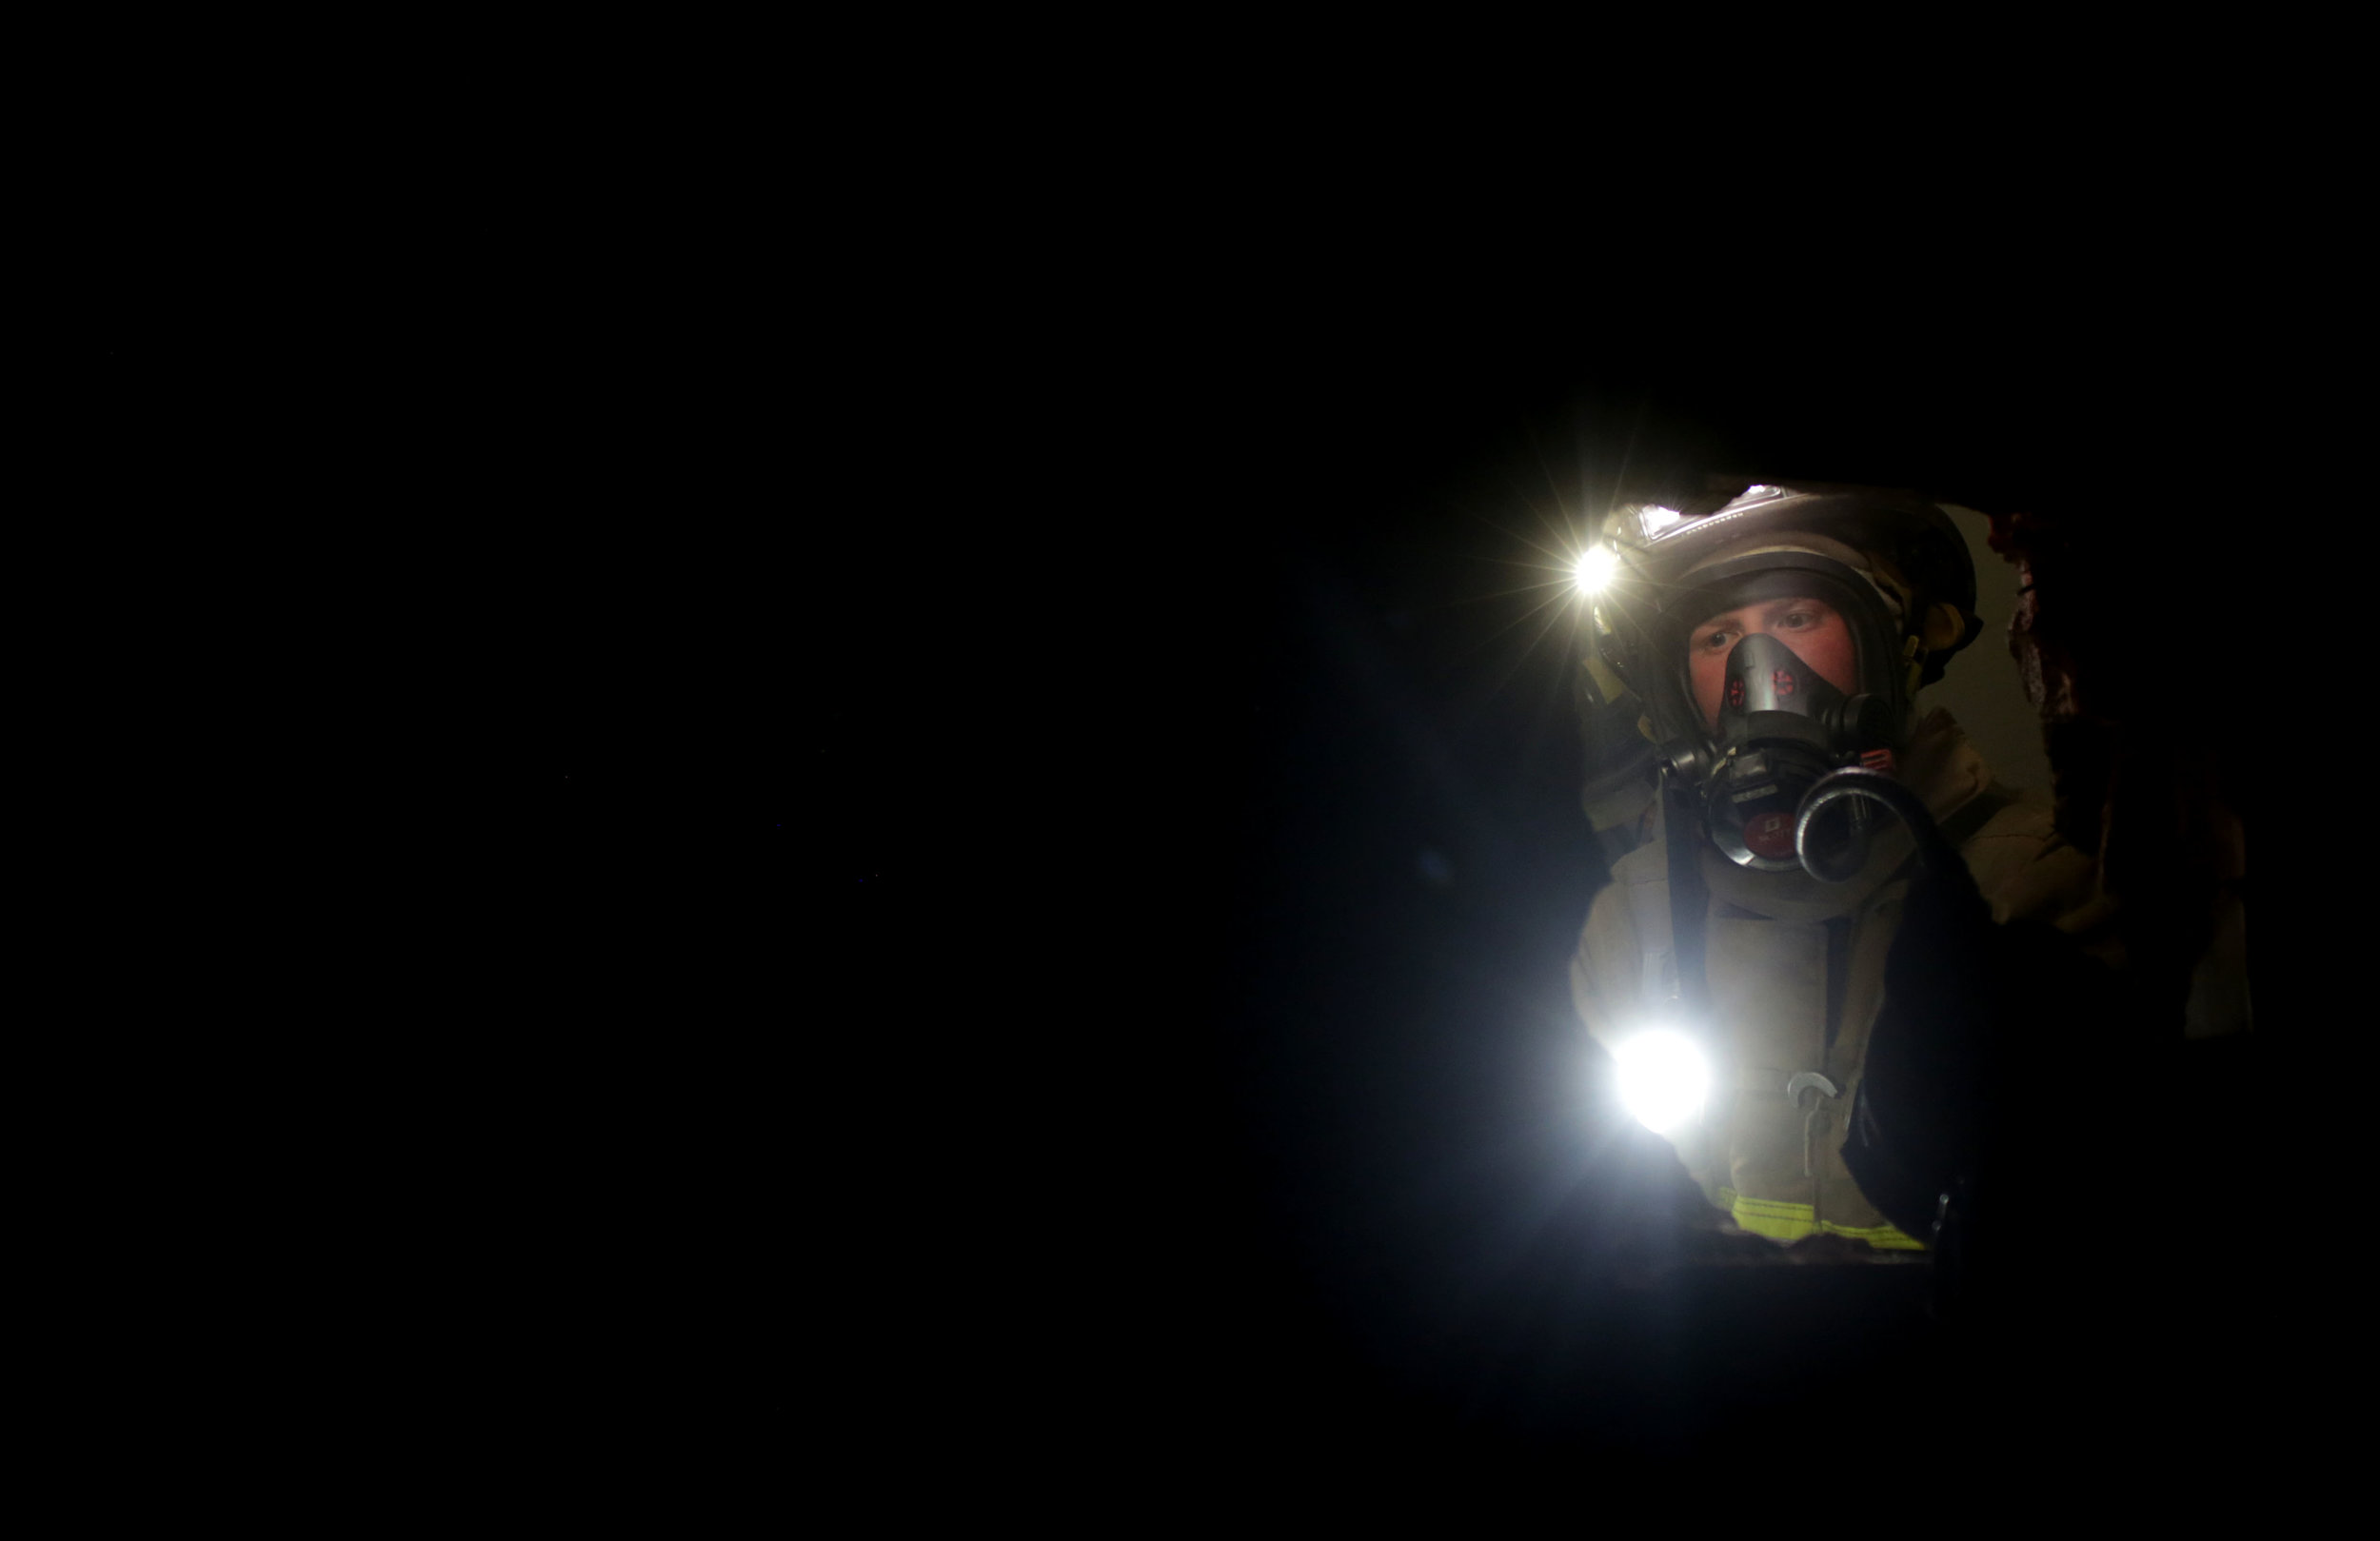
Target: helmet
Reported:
[(1892, 564)]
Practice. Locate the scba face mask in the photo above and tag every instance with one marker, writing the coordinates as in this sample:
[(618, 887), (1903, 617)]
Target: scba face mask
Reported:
[(1782, 726)]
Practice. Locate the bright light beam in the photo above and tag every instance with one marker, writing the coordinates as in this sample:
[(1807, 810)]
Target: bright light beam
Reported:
[(1663, 1079), (1596, 567)]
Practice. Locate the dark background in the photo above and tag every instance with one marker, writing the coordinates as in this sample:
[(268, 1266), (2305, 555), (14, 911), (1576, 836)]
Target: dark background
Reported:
[(1255, 859), (1117, 790), (1046, 798), (972, 835)]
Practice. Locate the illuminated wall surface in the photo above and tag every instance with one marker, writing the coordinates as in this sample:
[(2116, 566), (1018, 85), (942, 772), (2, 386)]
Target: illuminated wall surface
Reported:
[(1981, 688)]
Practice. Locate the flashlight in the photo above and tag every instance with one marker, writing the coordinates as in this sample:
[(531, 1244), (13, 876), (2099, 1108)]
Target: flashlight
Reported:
[(1664, 1080)]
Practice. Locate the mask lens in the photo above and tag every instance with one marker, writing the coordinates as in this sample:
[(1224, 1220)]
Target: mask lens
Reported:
[(1835, 848)]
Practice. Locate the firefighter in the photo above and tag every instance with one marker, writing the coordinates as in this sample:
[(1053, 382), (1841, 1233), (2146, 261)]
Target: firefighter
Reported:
[(1735, 967)]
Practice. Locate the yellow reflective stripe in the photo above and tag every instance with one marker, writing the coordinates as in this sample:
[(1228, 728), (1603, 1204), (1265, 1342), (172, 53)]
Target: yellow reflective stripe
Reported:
[(1882, 1237), (1773, 1217), (1801, 1215), (1782, 1220)]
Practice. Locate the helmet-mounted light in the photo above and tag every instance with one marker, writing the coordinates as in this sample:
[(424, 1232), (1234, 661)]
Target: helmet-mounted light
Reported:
[(1596, 567)]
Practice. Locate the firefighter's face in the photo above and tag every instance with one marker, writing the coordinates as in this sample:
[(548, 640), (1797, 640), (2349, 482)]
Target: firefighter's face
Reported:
[(1814, 629)]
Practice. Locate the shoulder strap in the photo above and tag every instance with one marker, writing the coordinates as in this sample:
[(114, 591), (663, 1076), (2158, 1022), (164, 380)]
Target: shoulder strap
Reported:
[(1689, 896)]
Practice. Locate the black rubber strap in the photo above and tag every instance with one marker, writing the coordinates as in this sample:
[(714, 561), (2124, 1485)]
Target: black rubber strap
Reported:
[(1688, 897)]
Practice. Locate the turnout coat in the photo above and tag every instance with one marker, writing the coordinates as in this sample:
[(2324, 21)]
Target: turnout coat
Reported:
[(1796, 975)]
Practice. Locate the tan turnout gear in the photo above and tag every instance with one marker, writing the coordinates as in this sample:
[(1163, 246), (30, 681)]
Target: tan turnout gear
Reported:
[(1787, 957)]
